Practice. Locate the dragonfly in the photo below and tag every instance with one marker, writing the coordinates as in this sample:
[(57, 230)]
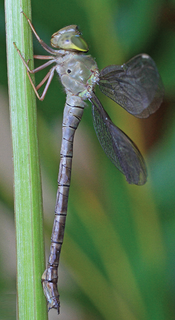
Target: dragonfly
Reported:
[(136, 86)]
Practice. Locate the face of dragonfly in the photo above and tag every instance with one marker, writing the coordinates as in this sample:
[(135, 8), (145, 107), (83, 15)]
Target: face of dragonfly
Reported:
[(69, 38)]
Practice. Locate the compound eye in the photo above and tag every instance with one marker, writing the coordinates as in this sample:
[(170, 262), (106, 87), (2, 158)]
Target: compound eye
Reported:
[(69, 38)]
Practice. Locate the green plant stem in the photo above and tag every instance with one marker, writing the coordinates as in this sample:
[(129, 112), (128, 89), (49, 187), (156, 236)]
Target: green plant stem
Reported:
[(27, 184)]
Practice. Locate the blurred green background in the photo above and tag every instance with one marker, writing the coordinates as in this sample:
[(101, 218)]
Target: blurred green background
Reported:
[(118, 255)]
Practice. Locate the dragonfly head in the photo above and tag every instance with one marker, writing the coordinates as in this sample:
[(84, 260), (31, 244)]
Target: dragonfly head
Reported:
[(69, 38)]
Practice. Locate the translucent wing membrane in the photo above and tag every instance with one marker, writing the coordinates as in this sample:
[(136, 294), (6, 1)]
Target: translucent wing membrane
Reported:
[(136, 85), (117, 145)]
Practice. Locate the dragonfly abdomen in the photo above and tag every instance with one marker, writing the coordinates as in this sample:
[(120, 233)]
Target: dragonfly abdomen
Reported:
[(73, 112)]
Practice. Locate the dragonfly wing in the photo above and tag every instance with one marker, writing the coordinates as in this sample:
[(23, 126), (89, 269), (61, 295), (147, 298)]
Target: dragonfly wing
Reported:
[(136, 85), (118, 147)]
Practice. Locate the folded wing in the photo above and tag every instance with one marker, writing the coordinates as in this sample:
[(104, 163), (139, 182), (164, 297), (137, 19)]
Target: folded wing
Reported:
[(117, 145), (136, 85)]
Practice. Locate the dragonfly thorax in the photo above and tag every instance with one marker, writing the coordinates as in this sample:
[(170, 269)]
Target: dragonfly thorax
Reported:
[(79, 74)]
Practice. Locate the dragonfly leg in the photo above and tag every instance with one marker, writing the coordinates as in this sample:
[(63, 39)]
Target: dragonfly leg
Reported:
[(43, 81), (41, 57), (48, 77), (43, 66), (42, 43)]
